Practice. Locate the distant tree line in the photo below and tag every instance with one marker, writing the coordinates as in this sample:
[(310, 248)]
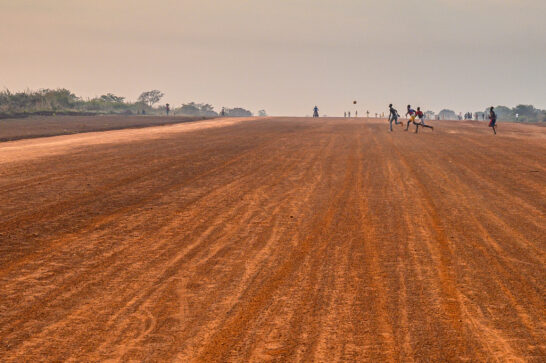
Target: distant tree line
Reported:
[(520, 113), (64, 101)]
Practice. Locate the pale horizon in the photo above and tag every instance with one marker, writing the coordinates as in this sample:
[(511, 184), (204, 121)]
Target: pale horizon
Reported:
[(282, 56)]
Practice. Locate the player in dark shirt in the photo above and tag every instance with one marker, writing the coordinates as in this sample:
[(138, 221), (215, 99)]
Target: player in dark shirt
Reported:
[(421, 117), (393, 116), (412, 115), (492, 120)]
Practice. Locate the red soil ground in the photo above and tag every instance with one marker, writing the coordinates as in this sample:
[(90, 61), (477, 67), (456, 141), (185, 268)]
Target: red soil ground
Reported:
[(41, 126), (275, 240)]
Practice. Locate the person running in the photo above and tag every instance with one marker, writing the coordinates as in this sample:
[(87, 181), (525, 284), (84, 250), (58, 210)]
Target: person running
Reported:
[(315, 112), (421, 122), (493, 120), (393, 116), (412, 115)]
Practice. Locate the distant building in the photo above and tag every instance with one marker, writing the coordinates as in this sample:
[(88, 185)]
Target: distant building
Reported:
[(447, 115), (429, 115)]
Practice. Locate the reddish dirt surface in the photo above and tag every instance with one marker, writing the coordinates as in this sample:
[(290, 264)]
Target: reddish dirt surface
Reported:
[(275, 240), (40, 126)]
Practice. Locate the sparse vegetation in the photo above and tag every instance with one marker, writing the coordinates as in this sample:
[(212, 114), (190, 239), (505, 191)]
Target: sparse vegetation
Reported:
[(196, 109), (150, 98), (520, 113), (47, 101), (63, 101), (237, 112)]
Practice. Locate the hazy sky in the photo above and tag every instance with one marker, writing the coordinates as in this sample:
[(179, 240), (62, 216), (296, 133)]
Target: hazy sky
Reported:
[(282, 55)]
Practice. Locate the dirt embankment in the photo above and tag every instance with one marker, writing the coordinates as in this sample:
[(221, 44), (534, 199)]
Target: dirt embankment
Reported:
[(275, 240), (41, 126)]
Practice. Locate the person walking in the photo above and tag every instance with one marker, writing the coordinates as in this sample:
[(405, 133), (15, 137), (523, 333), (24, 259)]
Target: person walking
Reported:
[(315, 112), (492, 120)]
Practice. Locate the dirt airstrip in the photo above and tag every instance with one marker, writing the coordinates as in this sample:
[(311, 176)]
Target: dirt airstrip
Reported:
[(278, 239)]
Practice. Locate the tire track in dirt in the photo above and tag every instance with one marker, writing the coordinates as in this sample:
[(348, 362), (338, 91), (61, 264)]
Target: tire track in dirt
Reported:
[(266, 164), (501, 263), (218, 345), (440, 291), (217, 192), (209, 260), (309, 240), (504, 349), (111, 189)]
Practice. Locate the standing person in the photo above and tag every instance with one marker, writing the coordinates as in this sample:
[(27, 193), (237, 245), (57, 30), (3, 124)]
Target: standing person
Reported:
[(412, 116), (315, 111), (167, 108), (421, 122), (393, 116), (345, 114), (356, 113), (349, 114), (493, 120)]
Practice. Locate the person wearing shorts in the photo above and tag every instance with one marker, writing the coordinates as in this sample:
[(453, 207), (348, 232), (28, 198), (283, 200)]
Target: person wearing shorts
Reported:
[(421, 116), (393, 116), (412, 115), (492, 120)]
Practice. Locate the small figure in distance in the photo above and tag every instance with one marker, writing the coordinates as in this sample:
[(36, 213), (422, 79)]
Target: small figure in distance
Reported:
[(167, 108), (345, 114), (421, 117), (412, 116), (493, 119), (315, 112), (393, 116), (349, 114), (356, 113), (223, 112)]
